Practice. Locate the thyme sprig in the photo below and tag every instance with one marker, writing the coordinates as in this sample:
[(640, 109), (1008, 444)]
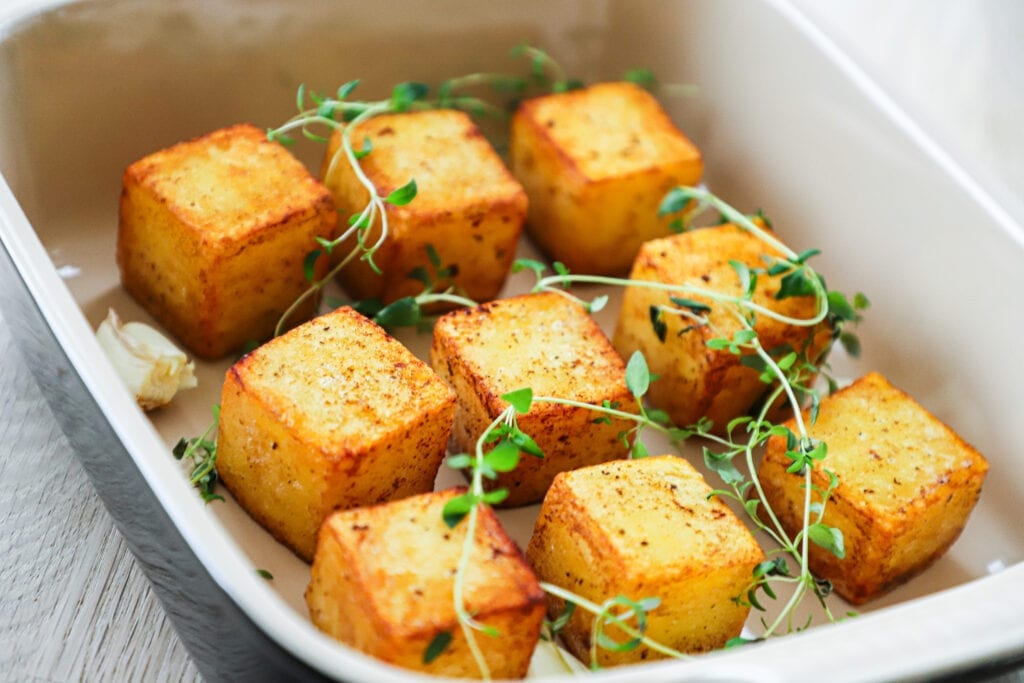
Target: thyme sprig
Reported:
[(799, 280), (201, 451), (340, 112), (638, 380), (503, 457), (545, 72), (787, 373), (605, 615), (337, 113), (411, 311), (507, 444), (749, 493)]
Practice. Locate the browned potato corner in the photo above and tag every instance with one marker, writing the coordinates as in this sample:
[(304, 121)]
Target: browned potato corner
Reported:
[(596, 163), (468, 208), (907, 484), (333, 414), (645, 528), (554, 347), (383, 582), (213, 233)]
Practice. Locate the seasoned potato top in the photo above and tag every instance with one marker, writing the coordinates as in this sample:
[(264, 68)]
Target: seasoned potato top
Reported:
[(887, 448), (653, 515), (609, 129), (230, 182), (542, 341), (405, 549), (442, 150), (340, 380), (701, 258)]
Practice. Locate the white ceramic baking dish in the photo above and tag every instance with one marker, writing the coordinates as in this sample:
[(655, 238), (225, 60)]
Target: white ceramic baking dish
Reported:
[(786, 123)]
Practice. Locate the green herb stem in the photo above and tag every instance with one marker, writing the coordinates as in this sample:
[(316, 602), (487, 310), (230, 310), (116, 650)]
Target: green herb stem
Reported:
[(542, 61), (303, 121), (783, 375), (784, 383), (560, 654), (466, 620), (204, 472), (483, 78), (707, 198), (610, 412), (787, 611), (375, 203), (193, 446), (734, 216), (447, 296), (775, 529), (551, 283), (312, 290), (596, 610), (204, 469), (476, 487), (696, 318)]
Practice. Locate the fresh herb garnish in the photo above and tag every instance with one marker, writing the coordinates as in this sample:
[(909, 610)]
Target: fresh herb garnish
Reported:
[(410, 311), (341, 112), (786, 371), (509, 443), (202, 452), (437, 646)]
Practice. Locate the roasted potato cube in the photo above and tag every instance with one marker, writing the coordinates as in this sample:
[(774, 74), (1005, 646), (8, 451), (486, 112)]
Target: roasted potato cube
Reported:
[(907, 484), (696, 381), (596, 164), (645, 528), (468, 207), (333, 414), (213, 234), (552, 346), (383, 577)]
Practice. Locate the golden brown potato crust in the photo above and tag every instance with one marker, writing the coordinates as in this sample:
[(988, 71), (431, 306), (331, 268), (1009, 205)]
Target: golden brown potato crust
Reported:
[(645, 528), (907, 484), (383, 577), (596, 163), (468, 207), (695, 381), (213, 233), (333, 414), (554, 347)]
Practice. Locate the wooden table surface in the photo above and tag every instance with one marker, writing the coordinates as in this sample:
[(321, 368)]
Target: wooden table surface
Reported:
[(76, 607)]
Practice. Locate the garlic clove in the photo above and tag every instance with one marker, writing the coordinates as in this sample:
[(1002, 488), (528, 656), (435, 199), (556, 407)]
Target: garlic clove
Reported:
[(151, 366)]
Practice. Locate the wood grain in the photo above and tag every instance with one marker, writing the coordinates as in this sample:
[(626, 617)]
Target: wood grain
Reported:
[(75, 605)]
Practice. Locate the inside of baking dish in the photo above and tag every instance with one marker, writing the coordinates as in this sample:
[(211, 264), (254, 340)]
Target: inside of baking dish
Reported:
[(87, 88)]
